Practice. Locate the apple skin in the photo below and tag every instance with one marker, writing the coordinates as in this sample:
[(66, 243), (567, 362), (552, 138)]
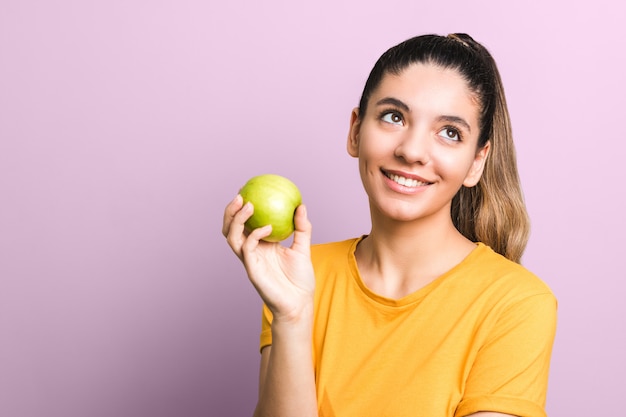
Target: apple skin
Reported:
[(275, 199)]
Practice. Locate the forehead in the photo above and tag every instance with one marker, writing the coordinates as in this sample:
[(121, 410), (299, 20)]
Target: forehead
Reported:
[(429, 88)]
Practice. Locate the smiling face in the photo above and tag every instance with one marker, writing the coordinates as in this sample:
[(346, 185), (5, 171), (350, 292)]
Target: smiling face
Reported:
[(417, 143)]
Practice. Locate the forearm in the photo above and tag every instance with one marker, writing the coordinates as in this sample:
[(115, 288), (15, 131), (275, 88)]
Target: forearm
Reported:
[(288, 384)]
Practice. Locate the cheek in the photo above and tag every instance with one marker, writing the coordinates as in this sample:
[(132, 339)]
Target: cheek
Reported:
[(453, 165), (377, 143), (372, 154), (369, 149)]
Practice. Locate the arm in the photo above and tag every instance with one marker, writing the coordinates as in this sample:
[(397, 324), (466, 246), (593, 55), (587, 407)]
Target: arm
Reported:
[(286, 379), (510, 372), (284, 279)]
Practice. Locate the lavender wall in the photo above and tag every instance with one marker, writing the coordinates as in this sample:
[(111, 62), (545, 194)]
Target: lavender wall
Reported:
[(126, 126)]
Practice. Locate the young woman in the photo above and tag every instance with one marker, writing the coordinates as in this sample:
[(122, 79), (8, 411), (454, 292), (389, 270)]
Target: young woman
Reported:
[(430, 313)]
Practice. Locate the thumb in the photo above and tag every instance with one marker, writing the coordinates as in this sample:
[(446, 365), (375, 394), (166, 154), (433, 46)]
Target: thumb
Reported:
[(303, 229)]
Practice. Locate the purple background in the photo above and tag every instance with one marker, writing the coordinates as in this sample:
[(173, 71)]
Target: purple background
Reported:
[(126, 126)]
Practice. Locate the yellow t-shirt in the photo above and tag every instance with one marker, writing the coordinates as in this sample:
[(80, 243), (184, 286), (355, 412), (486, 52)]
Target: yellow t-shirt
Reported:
[(478, 338)]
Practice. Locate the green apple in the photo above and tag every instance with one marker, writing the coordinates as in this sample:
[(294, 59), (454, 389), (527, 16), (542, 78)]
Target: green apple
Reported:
[(275, 199)]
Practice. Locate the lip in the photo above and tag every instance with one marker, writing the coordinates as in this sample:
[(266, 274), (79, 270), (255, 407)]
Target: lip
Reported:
[(417, 185), (407, 175)]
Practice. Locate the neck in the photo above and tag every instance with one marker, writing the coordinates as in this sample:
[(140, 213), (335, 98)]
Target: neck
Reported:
[(398, 258)]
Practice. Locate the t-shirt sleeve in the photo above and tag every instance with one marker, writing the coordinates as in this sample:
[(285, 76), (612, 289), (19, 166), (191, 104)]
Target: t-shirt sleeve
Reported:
[(510, 372), (266, 328)]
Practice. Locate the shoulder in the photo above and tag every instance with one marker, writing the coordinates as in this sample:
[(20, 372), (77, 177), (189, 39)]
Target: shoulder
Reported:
[(334, 250), (494, 269), (492, 283), (334, 261)]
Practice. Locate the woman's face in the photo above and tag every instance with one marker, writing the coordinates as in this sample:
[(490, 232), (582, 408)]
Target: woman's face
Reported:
[(417, 142)]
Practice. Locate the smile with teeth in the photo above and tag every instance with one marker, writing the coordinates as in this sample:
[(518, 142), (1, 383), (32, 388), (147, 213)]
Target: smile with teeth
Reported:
[(407, 182)]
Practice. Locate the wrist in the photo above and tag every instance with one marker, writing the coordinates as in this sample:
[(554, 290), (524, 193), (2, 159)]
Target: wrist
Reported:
[(295, 317), (297, 320)]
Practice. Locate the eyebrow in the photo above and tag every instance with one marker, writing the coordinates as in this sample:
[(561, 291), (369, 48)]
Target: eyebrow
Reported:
[(402, 105), (394, 102), (456, 120)]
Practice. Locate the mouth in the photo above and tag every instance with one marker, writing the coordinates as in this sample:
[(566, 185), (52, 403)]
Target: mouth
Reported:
[(405, 181)]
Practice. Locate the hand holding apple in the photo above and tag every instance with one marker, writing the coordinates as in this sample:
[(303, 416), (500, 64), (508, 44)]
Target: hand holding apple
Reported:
[(275, 199), (283, 276)]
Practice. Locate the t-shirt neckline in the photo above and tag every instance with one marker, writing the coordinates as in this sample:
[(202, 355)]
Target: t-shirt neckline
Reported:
[(414, 296)]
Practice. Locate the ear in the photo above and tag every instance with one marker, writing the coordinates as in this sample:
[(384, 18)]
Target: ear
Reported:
[(353, 134), (478, 166)]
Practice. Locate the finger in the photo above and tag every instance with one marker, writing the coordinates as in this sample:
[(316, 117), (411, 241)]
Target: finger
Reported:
[(253, 240), (229, 213), (236, 231), (302, 234)]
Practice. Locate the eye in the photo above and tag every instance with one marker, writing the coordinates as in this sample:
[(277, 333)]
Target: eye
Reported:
[(450, 133), (392, 117)]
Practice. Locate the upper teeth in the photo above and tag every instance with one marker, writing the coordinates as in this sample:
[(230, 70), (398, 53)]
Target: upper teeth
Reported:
[(407, 182)]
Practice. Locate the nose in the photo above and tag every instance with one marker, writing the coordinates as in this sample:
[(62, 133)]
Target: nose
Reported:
[(415, 146)]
